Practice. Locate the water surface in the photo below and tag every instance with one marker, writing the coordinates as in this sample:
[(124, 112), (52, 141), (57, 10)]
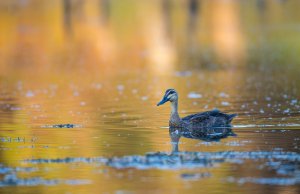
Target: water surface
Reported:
[(102, 71)]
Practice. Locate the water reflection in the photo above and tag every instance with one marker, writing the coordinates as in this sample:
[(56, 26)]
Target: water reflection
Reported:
[(99, 66), (67, 15), (203, 134)]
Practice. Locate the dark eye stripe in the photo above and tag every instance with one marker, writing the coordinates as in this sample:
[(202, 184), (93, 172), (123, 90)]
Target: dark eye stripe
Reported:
[(170, 91)]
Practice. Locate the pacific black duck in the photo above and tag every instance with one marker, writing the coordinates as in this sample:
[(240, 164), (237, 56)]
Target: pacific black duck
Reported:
[(199, 125)]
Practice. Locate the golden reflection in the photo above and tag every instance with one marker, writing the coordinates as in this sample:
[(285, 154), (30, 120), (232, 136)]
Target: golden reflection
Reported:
[(104, 64), (226, 31), (159, 50)]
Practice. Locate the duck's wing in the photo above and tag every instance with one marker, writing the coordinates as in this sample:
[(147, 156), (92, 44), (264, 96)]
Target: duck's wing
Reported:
[(199, 117), (222, 118), (195, 117)]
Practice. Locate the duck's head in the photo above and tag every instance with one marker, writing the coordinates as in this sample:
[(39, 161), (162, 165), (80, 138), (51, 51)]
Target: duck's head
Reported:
[(170, 95)]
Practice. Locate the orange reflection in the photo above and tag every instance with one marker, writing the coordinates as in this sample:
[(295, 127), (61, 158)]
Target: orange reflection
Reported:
[(226, 30)]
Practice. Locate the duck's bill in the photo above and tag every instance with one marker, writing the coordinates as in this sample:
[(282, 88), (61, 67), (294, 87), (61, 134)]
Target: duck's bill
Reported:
[(164, 100)]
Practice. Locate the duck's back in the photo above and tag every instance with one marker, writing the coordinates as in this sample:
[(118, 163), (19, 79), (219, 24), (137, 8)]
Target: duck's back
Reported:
[(213, 118)]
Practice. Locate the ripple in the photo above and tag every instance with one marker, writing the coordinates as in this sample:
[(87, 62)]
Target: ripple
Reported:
[(267, 125), (266, 181), (284, 163), (13, 180)]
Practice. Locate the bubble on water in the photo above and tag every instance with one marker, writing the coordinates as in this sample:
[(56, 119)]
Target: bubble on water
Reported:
[(194, 95), (15, 108), (13, 180), (234, 143), (82, 103), (120, 87), (75, 93), (286, 110), (36, 106), (29, 94), (294, 101), (144, 98), (265, 181), (225, 103), (183, 73), (223, 95), (195, 176), (97, 86), (20, 85), (261, 111), (267, 98)]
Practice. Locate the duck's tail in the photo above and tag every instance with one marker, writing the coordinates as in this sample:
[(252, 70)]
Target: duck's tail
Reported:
[(230, 117)]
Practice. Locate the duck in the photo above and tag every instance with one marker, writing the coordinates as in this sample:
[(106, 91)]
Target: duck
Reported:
[(199, 124)]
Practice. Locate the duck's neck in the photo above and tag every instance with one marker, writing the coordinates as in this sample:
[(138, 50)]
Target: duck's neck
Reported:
[(174, 119)]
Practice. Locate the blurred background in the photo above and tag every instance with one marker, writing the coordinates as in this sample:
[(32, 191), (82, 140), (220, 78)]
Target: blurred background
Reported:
[(104, 64), (160, 35)]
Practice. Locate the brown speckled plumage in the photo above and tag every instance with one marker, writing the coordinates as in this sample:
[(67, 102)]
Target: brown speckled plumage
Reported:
[(199, 123)]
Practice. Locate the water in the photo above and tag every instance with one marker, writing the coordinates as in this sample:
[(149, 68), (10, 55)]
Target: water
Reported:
[(78, 112)]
